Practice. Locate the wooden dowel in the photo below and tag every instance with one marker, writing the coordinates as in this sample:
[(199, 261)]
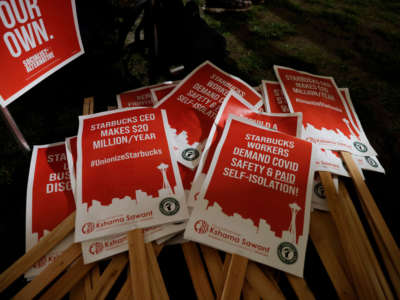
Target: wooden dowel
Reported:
[(157, 283), (125, 292), (262, 284), (326, 241), (139, 266), (67, 281), (363, 287), (300, 287), (364, 238), (235, 278), (214, 266), (102, 287), (44, 246), (157, 248), (78, 291), (249, 293), (197, 272), (88, 106), (50, 273), (386, 244)]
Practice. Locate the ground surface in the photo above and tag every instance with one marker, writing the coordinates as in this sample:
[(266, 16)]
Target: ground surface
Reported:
[(356, 42)]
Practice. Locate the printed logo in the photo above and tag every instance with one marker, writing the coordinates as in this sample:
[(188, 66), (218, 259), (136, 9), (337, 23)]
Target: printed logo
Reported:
[(190, 154), (96, 248), (201, 226), (360, 147), (41, 262), (319, 190), (287, 253), (169, 206), (88, 228), (371, 161)]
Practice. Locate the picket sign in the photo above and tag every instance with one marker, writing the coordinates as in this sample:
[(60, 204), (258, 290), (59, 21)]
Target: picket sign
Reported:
[(363, 273), (386, 244), (325, 238)]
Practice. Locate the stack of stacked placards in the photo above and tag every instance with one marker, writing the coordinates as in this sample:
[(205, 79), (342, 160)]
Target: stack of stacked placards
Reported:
[(258, 174)]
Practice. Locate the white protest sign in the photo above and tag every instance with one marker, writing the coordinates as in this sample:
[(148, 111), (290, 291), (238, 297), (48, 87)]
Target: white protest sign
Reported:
[(157, 93), (49, 200), (234, 104), (326, 117), (257, 206), (274, 100), (193, 105), (139, 97), (144, 189)]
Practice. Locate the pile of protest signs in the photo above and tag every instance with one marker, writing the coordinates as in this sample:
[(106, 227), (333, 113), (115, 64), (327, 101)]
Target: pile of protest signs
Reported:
[(239, 179)]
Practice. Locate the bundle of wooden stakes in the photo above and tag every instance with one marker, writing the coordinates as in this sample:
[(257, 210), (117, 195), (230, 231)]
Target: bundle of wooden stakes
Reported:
[(342, 243)]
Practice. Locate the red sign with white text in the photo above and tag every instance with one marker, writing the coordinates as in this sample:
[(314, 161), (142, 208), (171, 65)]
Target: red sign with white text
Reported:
[(127, 176), (256, 198), (275, 101), (139, 97), (193, 106), (49, 198), (326, 116), (160, 92), (37, 39), (236, 105)]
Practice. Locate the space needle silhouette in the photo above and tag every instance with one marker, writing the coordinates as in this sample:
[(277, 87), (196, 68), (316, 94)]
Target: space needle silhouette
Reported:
[(294, 208), (166, 186)]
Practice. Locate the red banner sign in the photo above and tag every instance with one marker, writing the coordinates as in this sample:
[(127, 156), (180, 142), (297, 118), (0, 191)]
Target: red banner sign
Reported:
[(37, 39), (236, 105), (256, 198), (326, 117), (127, 175), (49, 199), (193, 105)]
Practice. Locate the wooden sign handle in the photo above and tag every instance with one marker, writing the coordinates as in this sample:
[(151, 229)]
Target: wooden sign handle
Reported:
[(197, 272), (325, 238), (66, 282), (50, 273), (235, 278), (44, 245), (264, 285), (364, 283), (140, 279), (107, 279), (384, 239)]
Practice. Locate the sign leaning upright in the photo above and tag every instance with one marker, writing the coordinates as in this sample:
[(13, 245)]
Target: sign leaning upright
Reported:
[(36, 39)]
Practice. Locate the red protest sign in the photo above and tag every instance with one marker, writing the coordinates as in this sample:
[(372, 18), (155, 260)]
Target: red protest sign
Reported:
[(127, 175), (37, 39), (193, 105), (139, 97), (236, 105), (256, 197), (160, 92), (49, 199), (275, 101), (326, 117)]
